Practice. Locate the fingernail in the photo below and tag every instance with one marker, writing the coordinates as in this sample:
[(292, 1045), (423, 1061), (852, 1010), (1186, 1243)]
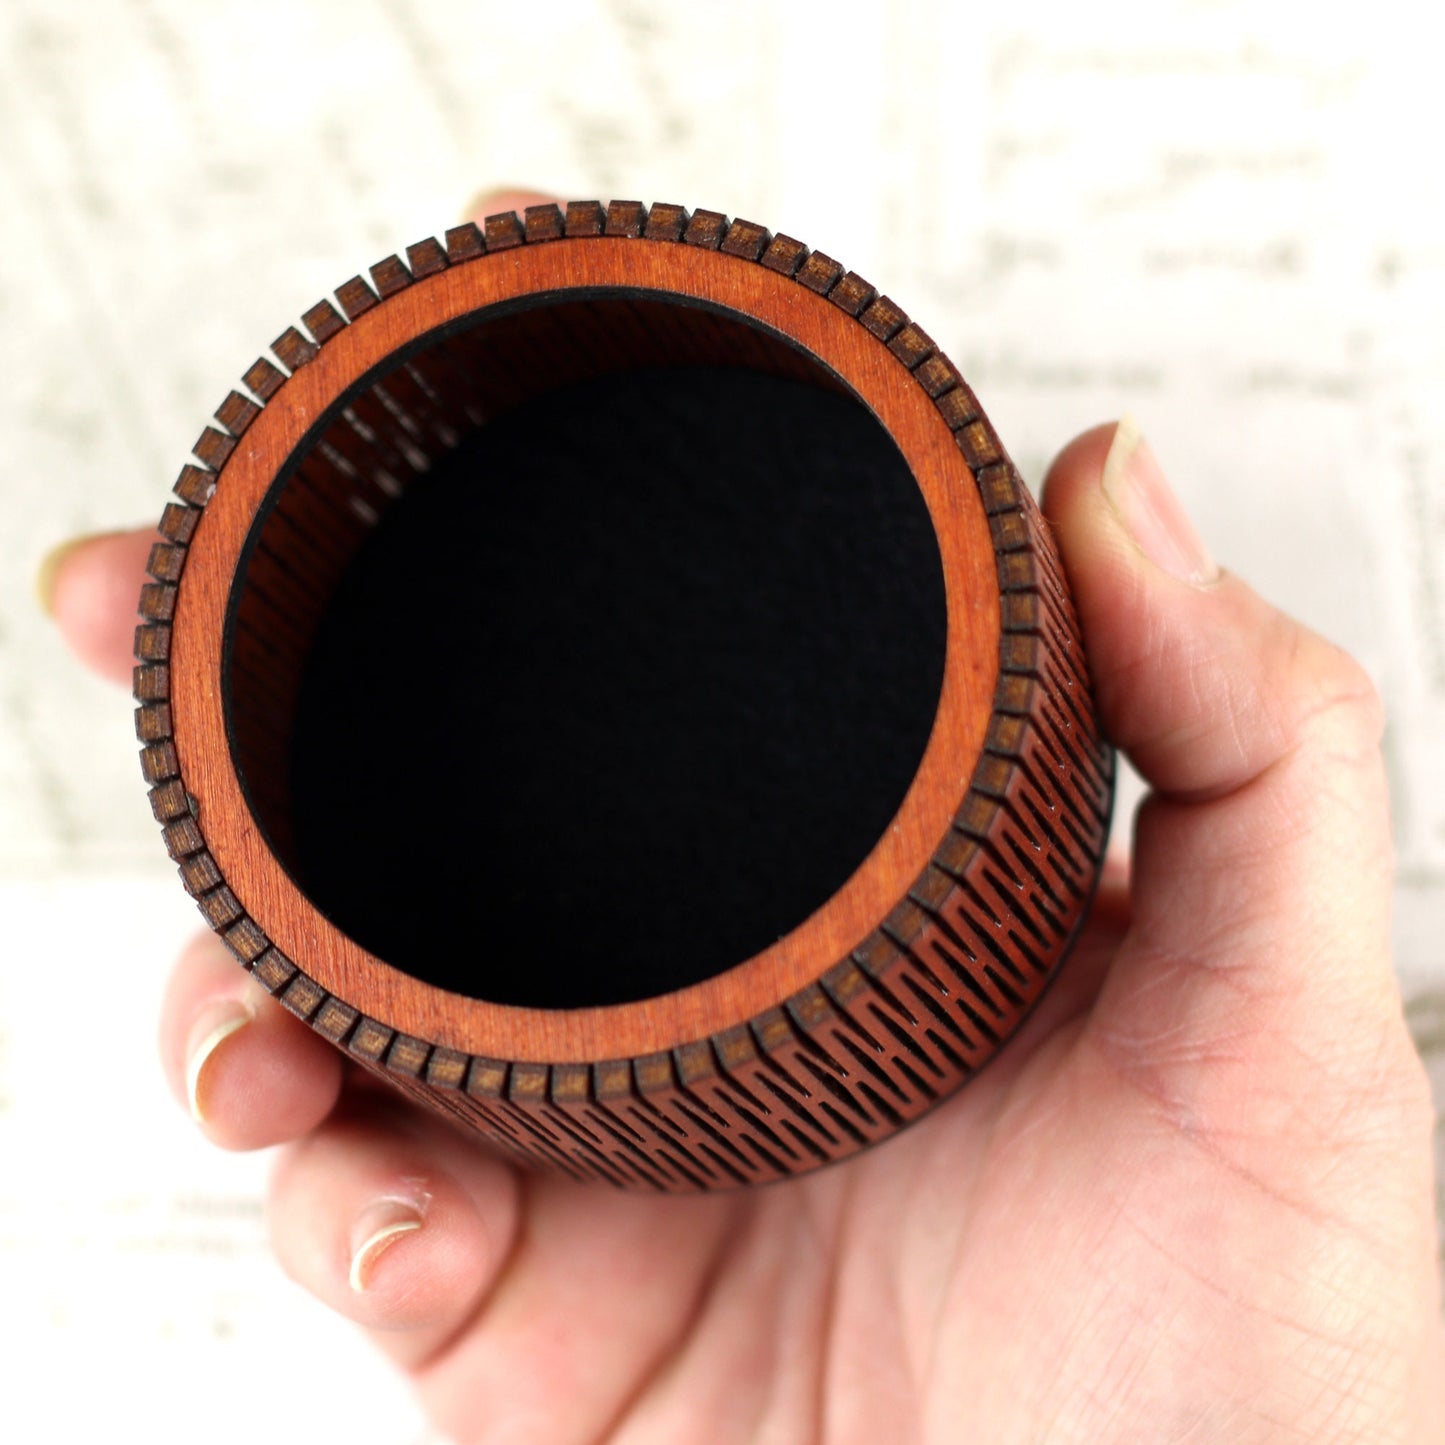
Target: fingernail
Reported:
[(1144, 502), (208, 1033), (48, 573), (378, 1227)]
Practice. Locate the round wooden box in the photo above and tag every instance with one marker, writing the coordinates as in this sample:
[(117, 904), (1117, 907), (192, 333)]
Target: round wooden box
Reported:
[(606, 675)]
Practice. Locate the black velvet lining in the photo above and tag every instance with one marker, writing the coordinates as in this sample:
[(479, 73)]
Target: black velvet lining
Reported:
[(621, 692)]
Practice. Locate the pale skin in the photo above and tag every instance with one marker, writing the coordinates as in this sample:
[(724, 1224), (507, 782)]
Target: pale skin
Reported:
[(1191, 1202)]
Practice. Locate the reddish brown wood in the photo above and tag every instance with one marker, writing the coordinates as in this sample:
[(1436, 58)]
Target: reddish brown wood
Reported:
[(874, 1007)]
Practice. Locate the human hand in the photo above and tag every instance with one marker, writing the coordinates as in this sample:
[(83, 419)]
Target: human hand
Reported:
[(1191, 1200)]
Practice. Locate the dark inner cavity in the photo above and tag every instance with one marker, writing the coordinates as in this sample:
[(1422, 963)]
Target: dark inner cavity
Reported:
[(621, 691)]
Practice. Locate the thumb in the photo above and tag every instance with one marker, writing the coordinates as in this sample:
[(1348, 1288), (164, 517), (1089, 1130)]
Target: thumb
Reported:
[(1256, 971)]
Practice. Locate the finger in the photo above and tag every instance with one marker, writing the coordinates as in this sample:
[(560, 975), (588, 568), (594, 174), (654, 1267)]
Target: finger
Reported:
[(395, 1221), (506, 198), (91, 586), (1203, 683), (603, 1288), (543, 1303), (1261, 863), (250, 1073)]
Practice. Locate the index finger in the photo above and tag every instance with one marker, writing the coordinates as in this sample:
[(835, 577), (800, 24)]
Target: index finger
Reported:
[(91, 586)]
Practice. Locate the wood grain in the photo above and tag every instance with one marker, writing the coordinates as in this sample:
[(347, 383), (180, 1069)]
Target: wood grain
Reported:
[(877, 1005)]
